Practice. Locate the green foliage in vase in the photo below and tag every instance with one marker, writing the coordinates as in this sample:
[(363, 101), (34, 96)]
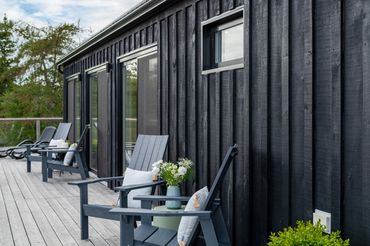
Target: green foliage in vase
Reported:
[(173, 173), (306, 234)]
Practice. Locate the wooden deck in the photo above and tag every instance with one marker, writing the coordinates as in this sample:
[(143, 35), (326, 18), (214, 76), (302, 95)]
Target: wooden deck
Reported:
[(37, 213)]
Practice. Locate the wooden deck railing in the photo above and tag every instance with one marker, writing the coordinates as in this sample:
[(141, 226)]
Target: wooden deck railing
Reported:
[(36, 120)]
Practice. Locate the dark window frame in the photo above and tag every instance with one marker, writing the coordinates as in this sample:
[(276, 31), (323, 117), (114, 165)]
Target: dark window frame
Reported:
[(209, 28)]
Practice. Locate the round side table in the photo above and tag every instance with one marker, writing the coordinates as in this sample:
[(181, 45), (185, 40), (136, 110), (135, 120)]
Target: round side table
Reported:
[(167, 222)]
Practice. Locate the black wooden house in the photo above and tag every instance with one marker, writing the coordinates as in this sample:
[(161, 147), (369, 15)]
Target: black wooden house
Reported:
[(287, 80)]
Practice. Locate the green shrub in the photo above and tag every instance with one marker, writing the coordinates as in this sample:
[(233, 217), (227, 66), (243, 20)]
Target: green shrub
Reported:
[(305, 233)]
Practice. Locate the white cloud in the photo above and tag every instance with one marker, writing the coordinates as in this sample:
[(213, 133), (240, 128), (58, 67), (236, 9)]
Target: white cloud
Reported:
[(92, 14)]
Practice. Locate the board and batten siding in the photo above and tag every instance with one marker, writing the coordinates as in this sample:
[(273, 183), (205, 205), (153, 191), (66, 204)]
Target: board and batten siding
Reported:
[(299, 110)]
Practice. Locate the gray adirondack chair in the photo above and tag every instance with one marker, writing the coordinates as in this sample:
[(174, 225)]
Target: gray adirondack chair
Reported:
[(148, 149), (49, 163), (33, 154), (18, 151), (210, 216)]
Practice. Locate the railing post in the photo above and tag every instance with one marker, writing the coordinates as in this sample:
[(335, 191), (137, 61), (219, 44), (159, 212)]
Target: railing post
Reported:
[(37, 129)]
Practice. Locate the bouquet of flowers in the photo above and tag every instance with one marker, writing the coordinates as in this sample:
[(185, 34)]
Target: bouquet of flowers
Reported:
[(173, 173)]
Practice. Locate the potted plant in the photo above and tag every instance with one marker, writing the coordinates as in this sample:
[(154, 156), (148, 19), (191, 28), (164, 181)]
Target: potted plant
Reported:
[(306, 233), (173, 174)]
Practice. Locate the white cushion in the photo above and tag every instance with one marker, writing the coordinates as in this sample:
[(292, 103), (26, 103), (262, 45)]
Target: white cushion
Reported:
[(135, 177), (69, 155), (187, 223), (57, 143)]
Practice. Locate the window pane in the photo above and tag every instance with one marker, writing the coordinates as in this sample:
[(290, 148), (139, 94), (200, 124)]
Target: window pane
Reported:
[(130, 95), (229, 44), (77, 109), (93, 121)]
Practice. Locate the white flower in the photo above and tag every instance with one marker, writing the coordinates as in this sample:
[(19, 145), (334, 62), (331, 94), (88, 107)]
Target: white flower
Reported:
[(157, 164), (155, 171), (182, 171)]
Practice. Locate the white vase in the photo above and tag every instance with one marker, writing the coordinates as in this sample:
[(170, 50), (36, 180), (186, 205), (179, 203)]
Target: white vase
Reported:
[(173, 191)]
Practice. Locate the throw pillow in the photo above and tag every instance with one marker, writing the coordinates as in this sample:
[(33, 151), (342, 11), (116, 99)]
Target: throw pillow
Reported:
[(187, 223), (69, 155), (57, 143), (136, 177)]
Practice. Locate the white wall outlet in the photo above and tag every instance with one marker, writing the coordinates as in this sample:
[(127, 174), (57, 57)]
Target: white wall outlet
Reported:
[(324, 218)]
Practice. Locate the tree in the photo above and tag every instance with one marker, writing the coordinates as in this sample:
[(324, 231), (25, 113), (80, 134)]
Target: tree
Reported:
[(41, 49), (8, 60), (31, 85)]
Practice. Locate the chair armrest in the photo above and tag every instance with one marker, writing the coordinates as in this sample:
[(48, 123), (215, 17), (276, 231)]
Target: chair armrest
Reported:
[(83, 182), (128, 188), (148, 212), (26, 142), (162, 198), (55, 150)]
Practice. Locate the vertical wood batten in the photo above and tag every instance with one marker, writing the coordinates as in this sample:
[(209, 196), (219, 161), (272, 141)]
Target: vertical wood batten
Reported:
[(366, 124), (308, 106), (173, 83), (201, 14), (242, 165), (214, 126), (327, 98), (352, 122), (191, 96), (279, 115), (259, 120), (226, 140), (181, 86), (163, 54), (301, 110)]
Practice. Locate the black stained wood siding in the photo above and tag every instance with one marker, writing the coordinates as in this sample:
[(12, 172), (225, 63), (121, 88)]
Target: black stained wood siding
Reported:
[(299, 110)]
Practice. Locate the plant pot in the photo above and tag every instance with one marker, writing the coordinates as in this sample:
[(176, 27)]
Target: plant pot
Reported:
[(173, 191)]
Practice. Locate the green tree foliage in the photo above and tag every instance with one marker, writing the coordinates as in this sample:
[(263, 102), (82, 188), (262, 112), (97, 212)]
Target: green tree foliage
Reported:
[(41, 49), (30, 84), (8, 60)]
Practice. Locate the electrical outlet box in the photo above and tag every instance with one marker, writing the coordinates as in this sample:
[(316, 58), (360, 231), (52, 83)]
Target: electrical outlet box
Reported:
[(324, 218)]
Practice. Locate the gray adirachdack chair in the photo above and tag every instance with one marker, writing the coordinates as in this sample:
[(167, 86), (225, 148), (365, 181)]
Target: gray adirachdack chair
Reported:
[(49, 163), (18, 151), (148, 149), (210, 217), (33, 154)]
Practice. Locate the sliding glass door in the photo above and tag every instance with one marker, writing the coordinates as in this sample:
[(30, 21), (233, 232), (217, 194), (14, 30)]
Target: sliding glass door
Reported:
[(140, 100), (93, 83)]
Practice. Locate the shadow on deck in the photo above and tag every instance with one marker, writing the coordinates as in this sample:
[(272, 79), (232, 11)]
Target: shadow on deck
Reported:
[(37, 213)]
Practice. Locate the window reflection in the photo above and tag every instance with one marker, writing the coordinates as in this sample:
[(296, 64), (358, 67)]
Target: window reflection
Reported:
[(229, 44)]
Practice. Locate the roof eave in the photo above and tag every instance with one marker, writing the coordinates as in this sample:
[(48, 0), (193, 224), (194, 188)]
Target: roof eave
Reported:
[(126, 19)]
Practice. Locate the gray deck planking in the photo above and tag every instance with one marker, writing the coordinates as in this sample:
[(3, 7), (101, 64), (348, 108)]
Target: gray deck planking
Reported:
[(36, 213)]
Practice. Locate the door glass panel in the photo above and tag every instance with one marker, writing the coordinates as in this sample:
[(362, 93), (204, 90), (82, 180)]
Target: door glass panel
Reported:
[(130, 108), (93, 121), (148, 108), (77, 109)]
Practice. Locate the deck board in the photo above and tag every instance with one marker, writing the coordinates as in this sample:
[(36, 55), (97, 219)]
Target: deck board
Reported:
[(36, 213)]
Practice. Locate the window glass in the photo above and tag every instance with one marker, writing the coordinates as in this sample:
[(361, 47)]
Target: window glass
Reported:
[(229, 44), (223, 43), (93, 121), (77, 109), (130, 107)]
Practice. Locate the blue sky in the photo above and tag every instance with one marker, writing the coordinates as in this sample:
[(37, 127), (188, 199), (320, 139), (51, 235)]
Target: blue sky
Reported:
[(92, 14)]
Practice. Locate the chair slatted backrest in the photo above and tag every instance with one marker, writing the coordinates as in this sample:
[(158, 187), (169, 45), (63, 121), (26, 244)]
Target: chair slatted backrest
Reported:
[(148, 149), (62, 131), (216, 185), (46, 135)]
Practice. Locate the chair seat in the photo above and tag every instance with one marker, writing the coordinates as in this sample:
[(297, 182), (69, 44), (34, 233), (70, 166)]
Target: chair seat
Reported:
[(151, 235)]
